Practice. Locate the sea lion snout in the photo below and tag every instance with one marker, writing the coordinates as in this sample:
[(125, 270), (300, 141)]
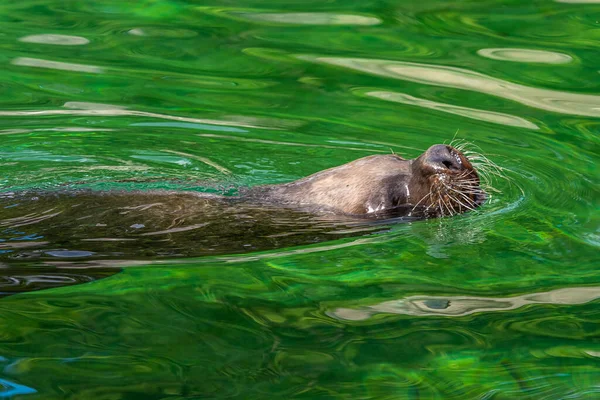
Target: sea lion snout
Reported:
[(446, 182), (441, 158)]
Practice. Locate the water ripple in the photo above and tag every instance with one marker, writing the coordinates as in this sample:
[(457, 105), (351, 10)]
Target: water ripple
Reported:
[(162, 32), (481, 115), (64, 66), (525, 55), (460, 78), (95, 109), (11, 389), (307, 18), (54, 39), (578, 1), (458, 306)]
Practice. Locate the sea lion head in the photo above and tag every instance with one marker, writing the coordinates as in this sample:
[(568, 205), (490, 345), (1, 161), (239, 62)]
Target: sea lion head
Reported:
[(440, 182), (444, 182)]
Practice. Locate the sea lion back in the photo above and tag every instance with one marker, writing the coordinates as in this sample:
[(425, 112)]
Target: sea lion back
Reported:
[(362, 186)]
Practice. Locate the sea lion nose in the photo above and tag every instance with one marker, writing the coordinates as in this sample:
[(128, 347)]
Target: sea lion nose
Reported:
[(442, 157)]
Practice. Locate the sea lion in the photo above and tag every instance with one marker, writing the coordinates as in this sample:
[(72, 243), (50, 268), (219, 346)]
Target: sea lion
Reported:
[(441, 181), (72, 230)]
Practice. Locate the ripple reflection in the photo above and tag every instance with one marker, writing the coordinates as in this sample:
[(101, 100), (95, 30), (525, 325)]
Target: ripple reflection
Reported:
[(525, 55), (481, 115), (458, 306), (109, 110), (309, 18), (460, 78), (578, 1), (63, 66), (62, 40), (9, 389)]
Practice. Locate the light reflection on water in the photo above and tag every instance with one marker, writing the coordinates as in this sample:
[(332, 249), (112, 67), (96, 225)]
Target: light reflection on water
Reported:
[(483, 115), (309, 18), (37, 63), (62, 40), (11, 389), (90, 109), (525, 55), (459, 78), (456, 306)]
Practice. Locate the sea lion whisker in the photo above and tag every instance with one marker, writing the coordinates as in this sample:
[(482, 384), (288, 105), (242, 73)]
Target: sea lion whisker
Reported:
[(419, 202), (452, 203), (485, 162), (478, 160), (474, 191), (454, 199), (466, 185), (494, 174), (463, 175), (460, 193), (470, 146), (484, 175), (465, 194), (471, 192), (467, 190), (487, 191), (445, 205), (468, 181), (469, 206), (458, 147), (489, 175), (451, 206), (482, 188), (459, 144), (473, 180), (468, 149), (490, 190)]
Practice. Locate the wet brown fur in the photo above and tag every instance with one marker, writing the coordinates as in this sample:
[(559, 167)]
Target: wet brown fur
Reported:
[(376, 184), (349, 188)]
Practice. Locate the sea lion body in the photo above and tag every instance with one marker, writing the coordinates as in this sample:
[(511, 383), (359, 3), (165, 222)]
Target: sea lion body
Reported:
[(442, 181), (365, 186), (49, 236)]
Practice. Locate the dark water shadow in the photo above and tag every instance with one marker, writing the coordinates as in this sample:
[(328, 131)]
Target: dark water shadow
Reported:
[(18, 279)]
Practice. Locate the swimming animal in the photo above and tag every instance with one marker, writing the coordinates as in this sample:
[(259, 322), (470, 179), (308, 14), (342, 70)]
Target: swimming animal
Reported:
[(440, 182), (72, 236)]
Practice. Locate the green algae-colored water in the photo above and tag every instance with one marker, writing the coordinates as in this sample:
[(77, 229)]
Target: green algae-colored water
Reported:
[(497, 304)]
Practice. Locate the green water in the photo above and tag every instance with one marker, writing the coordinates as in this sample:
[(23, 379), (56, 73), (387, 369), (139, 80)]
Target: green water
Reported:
[(501, 303)]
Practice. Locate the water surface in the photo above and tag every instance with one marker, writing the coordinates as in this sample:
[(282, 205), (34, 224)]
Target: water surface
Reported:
[(500, 303)]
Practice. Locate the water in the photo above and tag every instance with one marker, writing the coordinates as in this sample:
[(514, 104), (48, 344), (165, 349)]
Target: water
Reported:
[(211, 96)]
